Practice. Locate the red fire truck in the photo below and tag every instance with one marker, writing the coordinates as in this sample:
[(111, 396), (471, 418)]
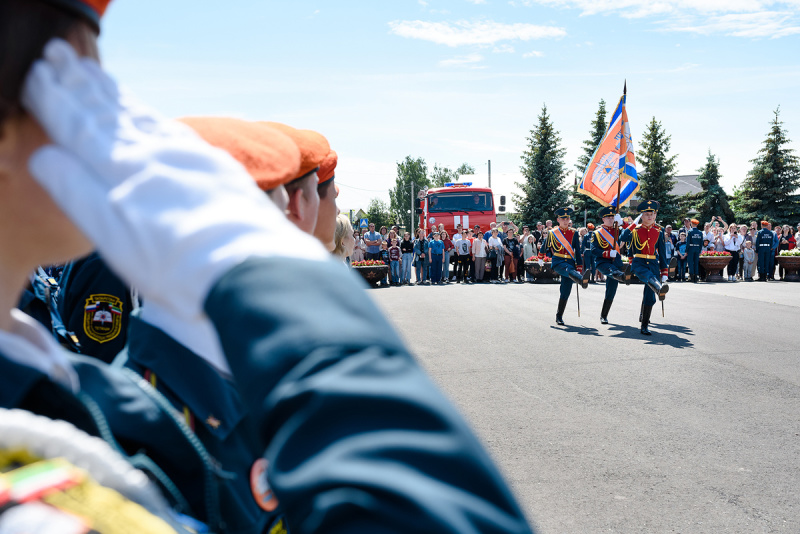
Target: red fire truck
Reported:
[(457, 203)]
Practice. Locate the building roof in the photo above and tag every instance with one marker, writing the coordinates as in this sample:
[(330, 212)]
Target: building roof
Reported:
[(686, 184)]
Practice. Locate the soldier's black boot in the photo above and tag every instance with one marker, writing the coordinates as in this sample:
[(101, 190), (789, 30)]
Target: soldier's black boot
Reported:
[(673, 267), (583, 281), (657, 287), (623, 276), (562, 305), (604, 311), (646, 310), (641, 312)]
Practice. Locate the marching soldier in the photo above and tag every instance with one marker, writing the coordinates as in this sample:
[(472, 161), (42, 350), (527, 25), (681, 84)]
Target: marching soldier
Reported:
[(764, 242), (608, 260), (646, 245), (694, 244), (564, 244)]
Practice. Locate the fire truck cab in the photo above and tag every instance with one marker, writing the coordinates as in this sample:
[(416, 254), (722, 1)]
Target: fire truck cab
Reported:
[(457, 203)]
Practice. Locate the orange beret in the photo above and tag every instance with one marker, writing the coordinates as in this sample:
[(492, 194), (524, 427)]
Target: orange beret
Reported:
[(271, 157), (590, 226), (695, 221), (92, 10), (764, 224), (327, 167), (313, 146)]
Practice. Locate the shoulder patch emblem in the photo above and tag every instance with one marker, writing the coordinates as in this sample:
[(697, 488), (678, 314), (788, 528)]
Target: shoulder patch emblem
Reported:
[(102, 317), (262, 493)]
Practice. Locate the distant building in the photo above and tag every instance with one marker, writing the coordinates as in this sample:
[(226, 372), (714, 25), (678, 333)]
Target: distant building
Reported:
[(686, 184), (355, 215)]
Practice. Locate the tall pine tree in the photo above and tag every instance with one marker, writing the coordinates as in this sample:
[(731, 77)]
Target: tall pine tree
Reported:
[(583, 202), (543, 190), (657, 170), (712, 200), (770, 189)]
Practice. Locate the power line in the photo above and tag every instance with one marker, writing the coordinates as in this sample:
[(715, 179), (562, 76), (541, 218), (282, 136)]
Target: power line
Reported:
[(361, 189)]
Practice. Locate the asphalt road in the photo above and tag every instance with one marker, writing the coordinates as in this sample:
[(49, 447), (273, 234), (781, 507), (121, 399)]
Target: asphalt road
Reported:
[(599, 429)]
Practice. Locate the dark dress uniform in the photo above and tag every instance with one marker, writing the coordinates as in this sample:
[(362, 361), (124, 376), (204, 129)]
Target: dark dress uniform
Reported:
[(603, 243), (355, 436), (120, 408), (210, 407), (565, 249), (694, 245), (764, 243), (96, 305), (646, 245)]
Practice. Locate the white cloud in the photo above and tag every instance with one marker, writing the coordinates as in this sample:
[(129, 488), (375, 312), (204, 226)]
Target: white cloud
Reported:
[(533, 53), (737, 18), (462, 32), (503, 49), (461, 60), (476, 2), (423, 3), (753, 25)]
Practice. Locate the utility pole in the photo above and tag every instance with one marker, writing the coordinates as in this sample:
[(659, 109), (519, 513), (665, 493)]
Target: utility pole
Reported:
[(411, 218), (490, 174)]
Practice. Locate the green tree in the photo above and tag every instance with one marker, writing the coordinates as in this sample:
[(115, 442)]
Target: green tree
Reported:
[(543, 190), (378, 214), (712, 200), (657, 171), (769, 190), (443, 175), (409, 171), (580, 201)]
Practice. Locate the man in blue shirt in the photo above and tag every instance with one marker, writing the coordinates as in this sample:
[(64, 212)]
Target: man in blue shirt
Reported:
[(373, 241), (436, 257)]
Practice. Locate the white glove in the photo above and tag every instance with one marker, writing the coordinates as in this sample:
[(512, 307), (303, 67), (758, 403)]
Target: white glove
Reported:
[(637, 219), (169, 213), (613, 253), (618, 219), (664, 278)]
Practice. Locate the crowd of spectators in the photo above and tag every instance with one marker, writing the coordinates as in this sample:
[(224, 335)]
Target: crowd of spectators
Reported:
[(497, 255)]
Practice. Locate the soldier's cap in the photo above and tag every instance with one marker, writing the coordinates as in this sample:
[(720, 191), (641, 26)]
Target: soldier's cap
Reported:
[(91, 10), (695, 222), (270, 156), (564, 212), (327, 167), (607, 211), (590, 226), (313, 147), (649, 205), (764, 224)]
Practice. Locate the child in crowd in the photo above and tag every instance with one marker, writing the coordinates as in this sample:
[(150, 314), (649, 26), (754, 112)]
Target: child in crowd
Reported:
[(384, 256), (749, 255), (395, 259), (681, 253)]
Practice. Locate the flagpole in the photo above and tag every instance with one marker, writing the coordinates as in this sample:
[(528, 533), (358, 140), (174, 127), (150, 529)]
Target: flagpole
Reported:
[(622, 171)]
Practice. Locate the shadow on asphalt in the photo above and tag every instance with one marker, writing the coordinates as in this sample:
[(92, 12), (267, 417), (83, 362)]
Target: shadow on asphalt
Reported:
[(658, 337), (677, 328), (581, 330)]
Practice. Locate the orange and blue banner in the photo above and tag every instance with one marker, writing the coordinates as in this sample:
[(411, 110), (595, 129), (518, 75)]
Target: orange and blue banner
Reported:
[(613, 164)]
